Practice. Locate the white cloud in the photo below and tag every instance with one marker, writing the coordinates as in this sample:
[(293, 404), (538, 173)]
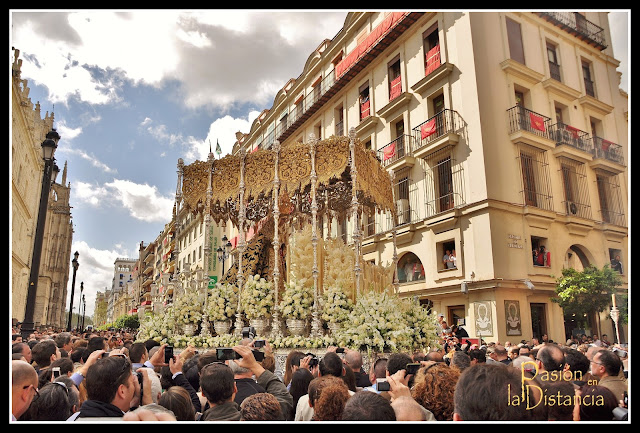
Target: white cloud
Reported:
[(142, 201), (214, 54), (95, 270)]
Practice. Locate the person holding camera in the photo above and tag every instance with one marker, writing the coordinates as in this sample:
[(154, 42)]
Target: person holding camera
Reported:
[(112, 388), (219, 387), (330, 364)]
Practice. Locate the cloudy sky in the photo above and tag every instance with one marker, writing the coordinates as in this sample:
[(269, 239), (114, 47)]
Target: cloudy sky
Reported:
[(134, 90)]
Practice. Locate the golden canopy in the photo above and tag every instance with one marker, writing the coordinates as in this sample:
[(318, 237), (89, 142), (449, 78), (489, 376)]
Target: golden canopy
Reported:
[(334, 187)]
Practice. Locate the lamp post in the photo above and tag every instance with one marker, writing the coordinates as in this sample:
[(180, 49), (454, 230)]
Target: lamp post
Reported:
[(80, 305), (223, 254), (75, 264), (84, 310), (49, 146)]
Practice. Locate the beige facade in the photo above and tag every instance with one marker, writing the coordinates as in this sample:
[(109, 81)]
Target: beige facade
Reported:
[(509, 132), (28, 131)]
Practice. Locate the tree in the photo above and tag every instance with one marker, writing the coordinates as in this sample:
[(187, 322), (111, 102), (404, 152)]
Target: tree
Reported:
[(588, 291)]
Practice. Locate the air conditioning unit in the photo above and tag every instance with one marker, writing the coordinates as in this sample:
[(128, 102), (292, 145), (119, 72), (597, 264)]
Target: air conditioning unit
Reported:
[(572, 208), (403, 211)]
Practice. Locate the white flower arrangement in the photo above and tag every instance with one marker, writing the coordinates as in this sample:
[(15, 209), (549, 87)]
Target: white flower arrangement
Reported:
[(384, 322), (336, 305), (182, 341), (223, 302), (300, 342), (256, 298), (297, 301), (158, 327), (188, 307)]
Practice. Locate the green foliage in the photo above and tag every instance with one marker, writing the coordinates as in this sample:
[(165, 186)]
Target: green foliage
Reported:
[(126, 321), (588, 291)]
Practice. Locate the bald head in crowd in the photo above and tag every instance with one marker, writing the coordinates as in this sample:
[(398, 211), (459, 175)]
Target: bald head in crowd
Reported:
[(24, 385)]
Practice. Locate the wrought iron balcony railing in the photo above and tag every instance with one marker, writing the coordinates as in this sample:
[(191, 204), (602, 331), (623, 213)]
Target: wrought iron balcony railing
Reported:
[(445, 122), (397, 149), (606, 149), (568, 135), (523, 119), (576, 24)]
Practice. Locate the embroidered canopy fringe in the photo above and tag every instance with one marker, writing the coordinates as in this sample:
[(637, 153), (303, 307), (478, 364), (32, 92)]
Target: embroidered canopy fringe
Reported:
[(332, 161)]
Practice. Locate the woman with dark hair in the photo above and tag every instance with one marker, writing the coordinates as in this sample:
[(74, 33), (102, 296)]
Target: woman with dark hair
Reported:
[(299, 384), (178, 400), (595, 403), (52, 403)]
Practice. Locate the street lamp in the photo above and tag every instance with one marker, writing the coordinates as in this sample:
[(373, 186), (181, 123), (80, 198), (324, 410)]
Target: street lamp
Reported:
[(81, 296), (84, 310), (75, 264), (223, 254), (49, 146)]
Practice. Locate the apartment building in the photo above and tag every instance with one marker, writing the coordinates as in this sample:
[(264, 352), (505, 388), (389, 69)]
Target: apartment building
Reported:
[(506, 132)]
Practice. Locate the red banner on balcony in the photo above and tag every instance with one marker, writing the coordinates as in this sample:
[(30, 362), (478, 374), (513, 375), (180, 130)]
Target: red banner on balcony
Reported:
[(364, 109), (376, 34), (389, 151), (396, 87), (572, 130), (605, 145), (537, 122), (433, 59), (429, 128)]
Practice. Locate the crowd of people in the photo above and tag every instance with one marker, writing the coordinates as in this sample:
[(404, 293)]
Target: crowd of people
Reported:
[(108, 376)]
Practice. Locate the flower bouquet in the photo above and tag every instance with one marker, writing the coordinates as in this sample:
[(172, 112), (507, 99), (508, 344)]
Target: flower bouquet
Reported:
[(256, 299), (187, 308), (223, 302), (296, 306), (377, 323), (297, 301), (336, 307)]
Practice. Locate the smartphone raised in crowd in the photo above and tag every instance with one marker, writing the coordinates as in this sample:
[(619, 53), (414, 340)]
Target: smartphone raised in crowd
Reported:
[(168, 354)]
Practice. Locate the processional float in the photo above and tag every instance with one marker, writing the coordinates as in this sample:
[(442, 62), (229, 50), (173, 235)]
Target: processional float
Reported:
[(280, 189)]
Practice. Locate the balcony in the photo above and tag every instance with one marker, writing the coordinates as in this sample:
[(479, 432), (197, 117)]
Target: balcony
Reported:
[(398, 153), (577, 25), (436, 133), (529, 127), (607, 155), (571, 142), (380, 39)]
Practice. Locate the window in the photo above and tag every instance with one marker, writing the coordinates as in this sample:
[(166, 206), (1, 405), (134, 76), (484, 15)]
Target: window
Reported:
[(402, 196), (365, 103), (395, 79), (535, 178), (446, 252), (588, 82), (339, 116), (554, 65), (609, 198), (540, 255), (616, 260), (400, 140), (432, 50), (574, 184), (410, 268), (443, 181), (514, 35)]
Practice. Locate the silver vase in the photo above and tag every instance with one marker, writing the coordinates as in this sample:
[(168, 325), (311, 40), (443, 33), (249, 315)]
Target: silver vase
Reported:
[(222, 326), (296, 326)]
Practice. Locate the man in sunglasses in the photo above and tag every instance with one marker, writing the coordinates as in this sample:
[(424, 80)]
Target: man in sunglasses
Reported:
[(24, 386), (111, 387)]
